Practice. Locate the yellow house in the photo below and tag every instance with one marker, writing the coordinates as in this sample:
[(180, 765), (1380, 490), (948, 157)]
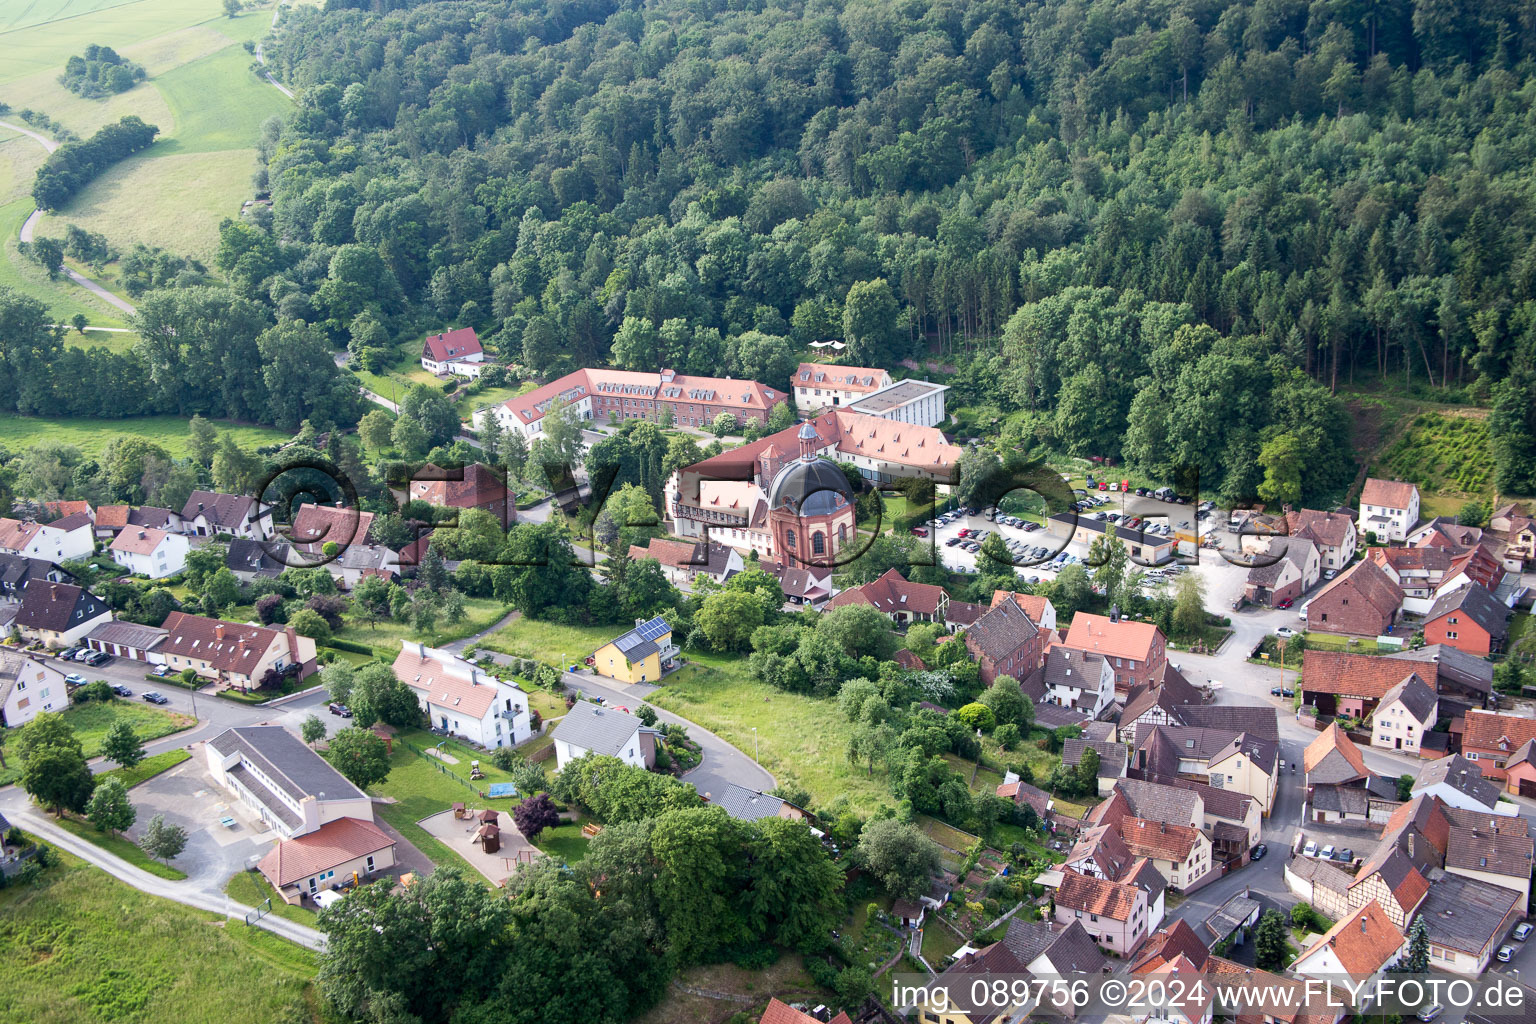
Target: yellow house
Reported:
[(1248, 765), (638, 656)]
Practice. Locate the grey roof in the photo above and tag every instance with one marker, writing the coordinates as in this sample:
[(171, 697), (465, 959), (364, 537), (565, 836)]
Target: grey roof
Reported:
[(1157, 802), (810, 487), (641, 642), (16, 570), (220, 509), (1054, 716), (1461, 775), (1416, 696), (748, 804), (1262, 752), (1099, 731), (5, 825), (1321, 872), (283, 757), (1112, 755), (1341, 799), (249, 556), (1069, 951), (1477, 604), (1231, 916), (598, 729), (57, 606), (1466, 914), (1451, 663), (128, 634), (1487, 821), (1002, 630), (1222, 803), (1255, 721), (1067, 667), (1485, 851), (364, 556)]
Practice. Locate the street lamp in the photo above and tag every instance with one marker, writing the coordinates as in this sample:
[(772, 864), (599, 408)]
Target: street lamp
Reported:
[(754, 743)]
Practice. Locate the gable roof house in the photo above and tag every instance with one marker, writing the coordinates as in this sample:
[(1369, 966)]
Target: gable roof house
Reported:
[(1338, 683), (1137, 650), (455, 352), (681, 561), (1363, 601), (1362, 946), (783, 1013), (1027, 949), (592, 729), (638, 655), (146, 551), (459, 699), (314, 526), (72, 537), (16, 570), (1181, 853), (1283, 572), (1073, 679), (208, 513), (1333, 533), (1493, 857), (473, 486), (234, 654), (1118, 915), (1420, 572), (250, 559), (1005, 642), (1113, 759), (1469, 619), (1497, 744), (898, 599), (1220, 758), (1388, 508), (1465, 919), (59, 614), (113, 519), (1163, 701), (1407, 712), (745, 804), (344, 850), (1458, 782), (820, 386), (1333, 760), (1037, 606), (807, 585), (29, 685), (292, 789)]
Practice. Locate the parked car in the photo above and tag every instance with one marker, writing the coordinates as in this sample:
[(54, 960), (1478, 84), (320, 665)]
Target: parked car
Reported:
[(919, 531), (1329, 574), (1258, 852), (1506, 954), (1344, 856), (122, 691), (74, 679), (69, 652), (156, 698), (1275, 691), (1430, 1012), (952, 542), (340, 710), (98, 658), (1286, 603), (82, 654), (1285, 631), (1522, 932), (1310, 850), (1326, 853)]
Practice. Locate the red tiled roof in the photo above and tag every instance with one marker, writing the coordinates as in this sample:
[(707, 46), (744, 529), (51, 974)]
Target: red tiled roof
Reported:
[(15, 535), (68, 508), (1113, 900), (1489, 730), (860, 379), (1368, 581), (112, 516), (1123, 639), (909, 661), (320, 524), (141, 541), (893, 593), (332, 844), (226, 646), (1331, 739), (1364, 941), (1034, 605), (1387, 493), (441, 686), (666, 386), (1158, 840), (849, 433), (783, 1013), (477, 485), (452, 345), (1367, 676), (1330, 528)]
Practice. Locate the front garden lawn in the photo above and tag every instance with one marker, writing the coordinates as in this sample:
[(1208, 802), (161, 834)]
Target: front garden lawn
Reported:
[(148, 768), (386, 636), (252, 888), (91, 722)]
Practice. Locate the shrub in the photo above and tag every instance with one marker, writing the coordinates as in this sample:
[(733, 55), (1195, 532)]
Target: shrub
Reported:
[(97, 691)]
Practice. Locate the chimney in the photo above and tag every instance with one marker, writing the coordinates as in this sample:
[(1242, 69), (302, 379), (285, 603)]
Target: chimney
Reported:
[(1410, 844), (218, 631)]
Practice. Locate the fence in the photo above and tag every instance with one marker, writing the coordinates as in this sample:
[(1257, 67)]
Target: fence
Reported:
[(260, 911)]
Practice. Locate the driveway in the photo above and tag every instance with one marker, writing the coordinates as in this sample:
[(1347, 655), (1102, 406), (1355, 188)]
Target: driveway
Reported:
[(187, 796), (722, 763)]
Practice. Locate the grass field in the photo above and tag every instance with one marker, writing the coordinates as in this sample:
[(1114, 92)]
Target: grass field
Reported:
[(62, 298), (112, 341), (20, 157), (120, 846), (385, 638), (81, 948), (91, 436), (252, 887), (43, 34), (91, 722), (148, 768)]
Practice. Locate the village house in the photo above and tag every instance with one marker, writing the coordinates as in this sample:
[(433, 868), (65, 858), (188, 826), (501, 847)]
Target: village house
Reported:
[(1353, 685), (589, 728), (900, 600), (1458, 782), (1286, 569), (457, 352), (783, 1013), (1493, 848), (462, 700), (356, 562), (1333, 533), (1514, 525), (251, 559), (1037, 606), (1492, 740), (209, 513), (17, 570), (344, 851), (1113, 760), (642, 654), (1466, 919), (146, 551), (1361, 946), (683, 561), (1363, 601), (234, 654), (130, 640), (819, 386), (1073, 679), (473, 486), (59, 614), (1241, 762), (1406, 713), (1418, 572), (808, 586), (72, 537), (1028, 949), (1162, 701), (114, 519), (29, 685), (1388, 508), (1116, 915), (1137, 651), (292, 789), (745, 804), (1468, 619), (1005, 642), (314, 526), (1181, 853)]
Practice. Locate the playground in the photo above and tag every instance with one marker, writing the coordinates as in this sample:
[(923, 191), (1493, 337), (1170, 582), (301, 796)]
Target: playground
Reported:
[(470, 832)]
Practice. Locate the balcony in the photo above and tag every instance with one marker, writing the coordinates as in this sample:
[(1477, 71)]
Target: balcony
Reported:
[(669, 652), (510, 714)]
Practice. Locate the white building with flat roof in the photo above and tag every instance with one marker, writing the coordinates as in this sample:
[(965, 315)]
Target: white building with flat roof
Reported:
[(919, 402)]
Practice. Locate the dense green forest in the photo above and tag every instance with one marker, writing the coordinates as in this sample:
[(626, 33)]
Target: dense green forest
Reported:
[(1098, 212)]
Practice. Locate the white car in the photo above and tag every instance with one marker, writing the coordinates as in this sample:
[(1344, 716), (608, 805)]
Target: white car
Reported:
[(1286, 632), (1326, 853), (1311, 848)]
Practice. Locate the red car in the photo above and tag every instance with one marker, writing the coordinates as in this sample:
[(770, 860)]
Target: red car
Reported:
[(966, 532), (1284, 604), (1103, 486), (919, 531)]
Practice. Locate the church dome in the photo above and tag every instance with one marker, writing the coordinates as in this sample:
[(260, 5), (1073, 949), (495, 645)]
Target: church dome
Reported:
[(810, 487)]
